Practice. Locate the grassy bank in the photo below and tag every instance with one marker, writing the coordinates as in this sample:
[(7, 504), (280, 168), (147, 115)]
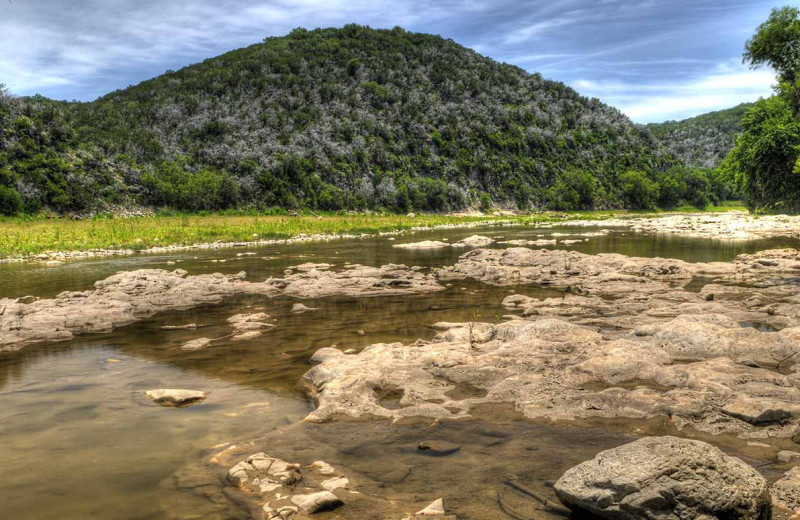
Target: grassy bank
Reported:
[(21, 237)]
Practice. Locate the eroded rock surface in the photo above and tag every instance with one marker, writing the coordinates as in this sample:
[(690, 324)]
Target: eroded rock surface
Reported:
[(666, 478), (723, 226), (127, 297), (633, 344), (360, 280)]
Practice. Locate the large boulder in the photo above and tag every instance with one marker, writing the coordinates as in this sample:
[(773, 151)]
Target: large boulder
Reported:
[(666, 478)]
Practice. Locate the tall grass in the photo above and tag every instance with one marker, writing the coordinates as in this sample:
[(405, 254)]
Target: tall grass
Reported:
[(24, 236)]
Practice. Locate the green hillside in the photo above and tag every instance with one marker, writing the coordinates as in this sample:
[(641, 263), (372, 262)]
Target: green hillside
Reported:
[(702, 141), (326, 119)]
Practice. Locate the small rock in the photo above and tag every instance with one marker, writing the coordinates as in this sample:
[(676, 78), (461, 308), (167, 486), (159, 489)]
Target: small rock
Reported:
[(786, 456), (175, 397), (299, 308), (317, 502), (335, 483), (196, 344), (438, 448), (436, 508), (188, 326), (323, 467)]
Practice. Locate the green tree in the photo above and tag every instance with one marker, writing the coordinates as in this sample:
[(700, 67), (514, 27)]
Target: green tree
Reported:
[(777, 44), (574, 190), (765, 156), (638, 191), (764, 159)]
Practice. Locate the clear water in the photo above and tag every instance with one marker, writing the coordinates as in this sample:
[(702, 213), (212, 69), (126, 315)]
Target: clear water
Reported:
[(78, 439)]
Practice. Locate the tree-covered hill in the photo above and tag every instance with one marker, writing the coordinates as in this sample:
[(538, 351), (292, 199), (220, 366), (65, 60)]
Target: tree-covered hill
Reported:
[(702, 141), (329, 119)]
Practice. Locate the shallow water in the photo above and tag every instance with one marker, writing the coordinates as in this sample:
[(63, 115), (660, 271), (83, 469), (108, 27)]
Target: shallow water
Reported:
[(79, 439)]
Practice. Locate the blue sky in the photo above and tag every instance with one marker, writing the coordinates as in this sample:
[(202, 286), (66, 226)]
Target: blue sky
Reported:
[(653, 59)]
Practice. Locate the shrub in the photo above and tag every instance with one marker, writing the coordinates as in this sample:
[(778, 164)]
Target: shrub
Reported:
[(10, 201), (574, 190), (638, 191)]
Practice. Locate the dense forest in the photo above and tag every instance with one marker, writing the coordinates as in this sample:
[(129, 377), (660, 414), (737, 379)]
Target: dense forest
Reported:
[(702, 141), (330, 119)]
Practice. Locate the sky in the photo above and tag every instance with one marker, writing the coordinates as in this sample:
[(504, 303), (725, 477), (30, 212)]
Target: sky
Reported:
[(653, 59)]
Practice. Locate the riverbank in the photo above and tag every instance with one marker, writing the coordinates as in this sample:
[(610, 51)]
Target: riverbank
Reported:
[(42, 239)]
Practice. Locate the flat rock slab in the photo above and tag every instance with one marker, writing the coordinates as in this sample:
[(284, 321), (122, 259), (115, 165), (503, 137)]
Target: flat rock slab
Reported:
[(666, 478), (176, 397)]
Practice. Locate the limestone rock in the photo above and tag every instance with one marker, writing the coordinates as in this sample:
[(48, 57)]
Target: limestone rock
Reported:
[(176, 397), (786, 491), (474, 241), (425, 244), (196, 344), (666, 478), (317, 502), (299, 308), (436, 508)]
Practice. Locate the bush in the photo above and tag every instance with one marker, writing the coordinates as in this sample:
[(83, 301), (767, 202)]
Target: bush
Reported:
[(10, 201), (574, 190), (638, 191), (485, 201)]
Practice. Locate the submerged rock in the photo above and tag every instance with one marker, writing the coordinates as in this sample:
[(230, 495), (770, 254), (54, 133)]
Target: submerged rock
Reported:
[(438, 448), (299, 308), (425, 244), (474, 241), (666, 478), (196, 344), (176, 397)]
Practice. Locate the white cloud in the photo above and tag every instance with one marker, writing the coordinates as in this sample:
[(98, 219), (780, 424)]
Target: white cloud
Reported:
[(724, 87)]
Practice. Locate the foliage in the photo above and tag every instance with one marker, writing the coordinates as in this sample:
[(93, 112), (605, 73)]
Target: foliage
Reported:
[(777, 44), (638, 191), (574, 190), (350, 118), (702, 141), (765, 158)]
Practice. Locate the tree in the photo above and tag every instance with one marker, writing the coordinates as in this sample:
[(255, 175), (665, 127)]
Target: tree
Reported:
[(638, 191), (765, 157), (777, 44), (764, 160)]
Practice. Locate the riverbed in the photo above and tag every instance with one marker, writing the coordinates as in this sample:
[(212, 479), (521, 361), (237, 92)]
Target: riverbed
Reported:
[(81, 440)]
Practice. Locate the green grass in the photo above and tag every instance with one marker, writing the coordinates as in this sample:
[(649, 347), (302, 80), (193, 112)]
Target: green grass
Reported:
[(25, 236)]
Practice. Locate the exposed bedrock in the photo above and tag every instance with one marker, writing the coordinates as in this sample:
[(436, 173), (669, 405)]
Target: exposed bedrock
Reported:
[(130, 296), (550, 368), (634, 345)]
